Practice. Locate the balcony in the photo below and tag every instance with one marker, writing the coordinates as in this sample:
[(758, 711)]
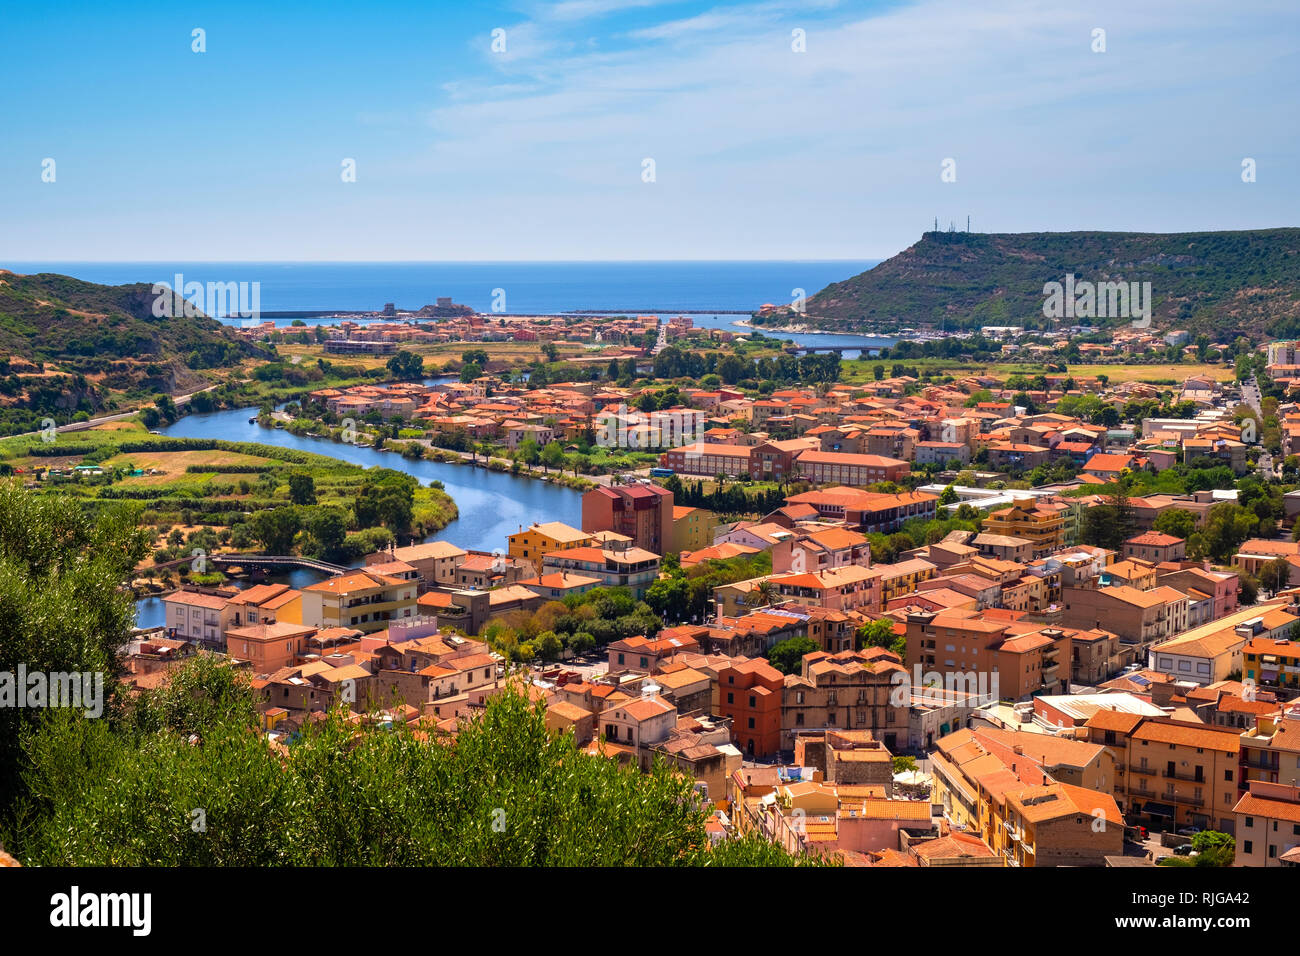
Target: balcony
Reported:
[(1261, 764), (1148, 771)]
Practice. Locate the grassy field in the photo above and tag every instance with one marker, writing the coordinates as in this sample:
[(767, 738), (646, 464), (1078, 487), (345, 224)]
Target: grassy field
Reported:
[(172, 465), (436, 356), (203, 501)]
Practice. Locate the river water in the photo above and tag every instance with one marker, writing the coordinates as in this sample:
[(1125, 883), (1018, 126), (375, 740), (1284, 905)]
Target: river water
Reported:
[(492, 504)]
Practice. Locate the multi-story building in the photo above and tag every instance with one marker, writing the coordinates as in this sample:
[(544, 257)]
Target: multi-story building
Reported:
[(1212, 652), (1155, 547), (1273, 662), (1270, 750), (617, 563), (546, 538), (868, 511), (364, 600), (692, 529), (821, 550), (1175, 773), (268, 647), (196, 616), (1011, 800), (265, 604), (1043, 528), (708, 459), (642, 512), (1139, 617), (1268, 826), (827, 467), (992, 658), (846, 691), (435, 561), (847, 588), (750, 695)]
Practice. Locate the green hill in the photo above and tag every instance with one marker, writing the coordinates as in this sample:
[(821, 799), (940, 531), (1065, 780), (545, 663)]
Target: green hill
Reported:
[(69, 347), (1222, 283)]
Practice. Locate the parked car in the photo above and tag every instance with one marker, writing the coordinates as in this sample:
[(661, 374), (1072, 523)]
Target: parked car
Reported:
[(1185, 850), (1189, 831)]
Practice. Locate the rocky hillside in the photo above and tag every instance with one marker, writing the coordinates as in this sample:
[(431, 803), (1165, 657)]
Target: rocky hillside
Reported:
[(68, 347)]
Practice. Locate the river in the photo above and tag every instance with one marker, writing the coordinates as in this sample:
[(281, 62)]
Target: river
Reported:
[(492, 504)]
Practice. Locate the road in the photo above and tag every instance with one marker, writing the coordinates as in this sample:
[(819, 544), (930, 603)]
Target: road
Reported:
[(92, 422), (1251, 395)]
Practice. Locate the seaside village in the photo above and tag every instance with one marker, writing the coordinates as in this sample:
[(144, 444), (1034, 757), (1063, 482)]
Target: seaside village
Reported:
[(1063, 704)]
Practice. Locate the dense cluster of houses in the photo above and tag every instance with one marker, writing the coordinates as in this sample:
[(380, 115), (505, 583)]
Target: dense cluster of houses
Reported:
[(1070, 698)]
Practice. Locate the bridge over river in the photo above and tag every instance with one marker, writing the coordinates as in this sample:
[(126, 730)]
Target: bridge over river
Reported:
[(275, 562)]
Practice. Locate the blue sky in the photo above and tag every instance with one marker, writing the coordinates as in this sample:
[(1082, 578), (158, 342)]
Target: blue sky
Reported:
[(760, 152)]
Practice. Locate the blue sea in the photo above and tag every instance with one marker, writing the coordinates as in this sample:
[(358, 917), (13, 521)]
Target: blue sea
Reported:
[(645, 288), (528, 286)]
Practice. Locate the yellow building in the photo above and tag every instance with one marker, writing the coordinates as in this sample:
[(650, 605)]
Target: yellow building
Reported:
[(364, 600), (692, 528), (1024, 519), (1272, 662), (541, 539)]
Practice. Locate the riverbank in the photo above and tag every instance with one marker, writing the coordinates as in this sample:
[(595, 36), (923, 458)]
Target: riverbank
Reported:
[(491, 504), (204, 496), (431, 452)]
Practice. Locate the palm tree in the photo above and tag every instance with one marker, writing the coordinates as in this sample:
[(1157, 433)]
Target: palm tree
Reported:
[(762, 594)]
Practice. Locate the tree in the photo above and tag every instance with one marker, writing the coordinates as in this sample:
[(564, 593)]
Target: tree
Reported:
[(1100, 527), (528, 452), (787, 656), (302, 488), (387, 497), (668, 596), (762, 594), (551, 351), (904, 764), (949, 496), (276, 528), (506, 792), (880, 633), (328, 530), (62, 604), (1247, 588), (1275, 574), (406, 366), (471, 371), (1177, 522), (477, 357), (1209, 848), (553, 455)]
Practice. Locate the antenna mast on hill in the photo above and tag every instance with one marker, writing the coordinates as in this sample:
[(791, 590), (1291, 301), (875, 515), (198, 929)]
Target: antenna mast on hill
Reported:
[(936, 223), (968, 222)]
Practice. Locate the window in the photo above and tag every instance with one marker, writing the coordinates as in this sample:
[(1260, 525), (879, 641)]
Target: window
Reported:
[(1227, 776), (751, 723), (1249, 847), (731, 698), (753, 701)]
